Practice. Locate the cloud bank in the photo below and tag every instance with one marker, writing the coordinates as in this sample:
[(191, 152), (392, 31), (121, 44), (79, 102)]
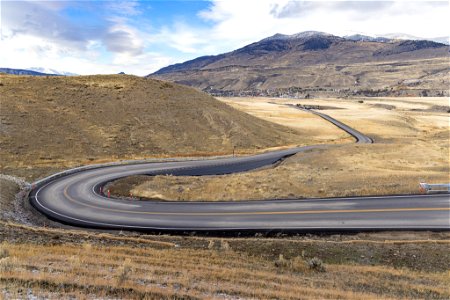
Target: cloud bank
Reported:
[(89, 37)]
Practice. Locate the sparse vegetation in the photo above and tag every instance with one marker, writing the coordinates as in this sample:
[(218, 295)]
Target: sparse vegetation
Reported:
[(124, 271), (411, 145), (316, 264), (3, 251), (357, 267), (81, 120), (343, 70), (295, 265)]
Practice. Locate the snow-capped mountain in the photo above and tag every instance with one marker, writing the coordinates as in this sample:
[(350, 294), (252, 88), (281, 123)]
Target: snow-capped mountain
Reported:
[(301, 35), (51, 71), (366, 38), (404, 36)]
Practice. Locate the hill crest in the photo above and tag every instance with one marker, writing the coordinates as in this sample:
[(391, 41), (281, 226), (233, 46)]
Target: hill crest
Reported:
[(108, 117)]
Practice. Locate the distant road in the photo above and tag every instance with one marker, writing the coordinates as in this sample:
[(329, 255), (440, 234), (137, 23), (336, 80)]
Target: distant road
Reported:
[(73, 197), (360, 137)]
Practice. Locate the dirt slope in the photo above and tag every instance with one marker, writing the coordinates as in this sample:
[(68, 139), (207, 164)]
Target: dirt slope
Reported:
[(57, 122)]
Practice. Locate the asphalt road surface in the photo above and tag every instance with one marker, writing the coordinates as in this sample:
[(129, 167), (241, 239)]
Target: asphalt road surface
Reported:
[(73, 197), (360, 137)]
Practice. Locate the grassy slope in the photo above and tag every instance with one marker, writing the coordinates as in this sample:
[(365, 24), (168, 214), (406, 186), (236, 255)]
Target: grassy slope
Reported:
[(58, 122), (55, 263)]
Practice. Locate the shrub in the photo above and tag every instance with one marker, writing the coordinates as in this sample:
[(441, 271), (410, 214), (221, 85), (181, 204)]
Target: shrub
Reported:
[(124, 271), (224, 245), (211, 244), (3, 252), (316, 264), (296, 264), (7, 264), (281, 262)]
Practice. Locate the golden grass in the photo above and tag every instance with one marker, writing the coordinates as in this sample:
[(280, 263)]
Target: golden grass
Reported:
[(317, 129), (87, 235), (411, 145), (54, 123), (167, 273)]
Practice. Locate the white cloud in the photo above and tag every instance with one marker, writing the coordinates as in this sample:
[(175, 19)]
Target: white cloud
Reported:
[(26, 51), (35, 33), (121, 38), (182, 37), (244, 21), (128, 8)]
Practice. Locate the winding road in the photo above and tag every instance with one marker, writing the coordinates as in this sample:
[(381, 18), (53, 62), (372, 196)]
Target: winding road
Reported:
[(73, 197)]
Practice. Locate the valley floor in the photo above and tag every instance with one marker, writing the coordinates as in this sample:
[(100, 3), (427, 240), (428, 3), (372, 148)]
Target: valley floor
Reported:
[(411, 145), (39, 258)]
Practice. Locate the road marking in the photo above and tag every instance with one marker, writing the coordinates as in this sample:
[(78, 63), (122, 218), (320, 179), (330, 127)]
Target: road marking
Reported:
[(297, 212)]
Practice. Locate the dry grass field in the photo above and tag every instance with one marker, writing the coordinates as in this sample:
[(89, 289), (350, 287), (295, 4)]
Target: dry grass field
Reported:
[(55, 263), (53, 123), (43, 260), (411, 145)]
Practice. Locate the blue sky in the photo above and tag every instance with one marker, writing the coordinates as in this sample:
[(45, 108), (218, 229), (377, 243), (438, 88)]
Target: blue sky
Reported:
[(139, 37)]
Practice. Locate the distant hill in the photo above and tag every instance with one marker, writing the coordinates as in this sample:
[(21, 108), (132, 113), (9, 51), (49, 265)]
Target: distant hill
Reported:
[(24, 72), (366, 38), (392, 37), (84, 119), (51, 71), (403, 36), (35, 72), (311, 62)]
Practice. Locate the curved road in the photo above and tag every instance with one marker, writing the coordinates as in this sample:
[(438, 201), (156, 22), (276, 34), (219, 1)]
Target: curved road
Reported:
[(360, 137), (73, 197)]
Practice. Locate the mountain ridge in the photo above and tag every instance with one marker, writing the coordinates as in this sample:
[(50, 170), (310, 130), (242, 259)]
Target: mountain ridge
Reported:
[(36, 71), (312, 60), (51, 71), (12, 71)]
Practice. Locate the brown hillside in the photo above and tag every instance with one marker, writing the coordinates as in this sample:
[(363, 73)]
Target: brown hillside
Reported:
[(58, 122), (319, 64)]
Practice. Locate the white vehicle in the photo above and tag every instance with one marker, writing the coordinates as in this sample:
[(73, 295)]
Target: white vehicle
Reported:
[(426, 188)]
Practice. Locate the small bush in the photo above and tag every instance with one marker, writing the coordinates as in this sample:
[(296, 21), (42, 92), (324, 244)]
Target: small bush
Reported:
[(3, 252), (296, 264), (75, 263), (281, 262), (316, 264), (211, 244), (124, 271), (7, 264), (165, 85), (224, 245), (87, 247)]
